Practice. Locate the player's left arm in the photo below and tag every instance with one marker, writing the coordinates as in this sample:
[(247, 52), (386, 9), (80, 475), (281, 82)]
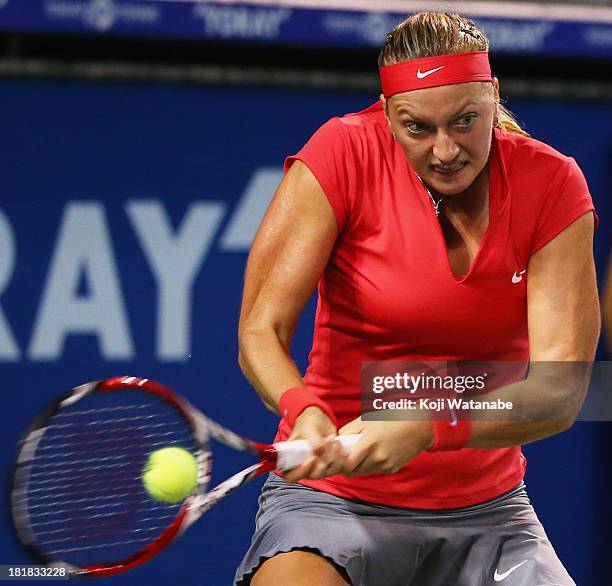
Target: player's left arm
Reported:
[(564, 327), (607, 306), (564, 324)]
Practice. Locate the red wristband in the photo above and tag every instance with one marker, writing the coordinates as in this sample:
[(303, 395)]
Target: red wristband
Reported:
[(449, 435), (294, 401)]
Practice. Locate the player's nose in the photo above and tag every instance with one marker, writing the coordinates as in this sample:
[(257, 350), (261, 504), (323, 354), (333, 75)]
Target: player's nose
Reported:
[(445, 149)]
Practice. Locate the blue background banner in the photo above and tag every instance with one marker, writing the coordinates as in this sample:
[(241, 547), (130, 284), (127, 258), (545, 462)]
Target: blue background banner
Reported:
[(541, 35), (126, 215)]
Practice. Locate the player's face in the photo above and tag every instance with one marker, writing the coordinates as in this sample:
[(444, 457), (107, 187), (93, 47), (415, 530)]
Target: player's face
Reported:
[(446, 132)]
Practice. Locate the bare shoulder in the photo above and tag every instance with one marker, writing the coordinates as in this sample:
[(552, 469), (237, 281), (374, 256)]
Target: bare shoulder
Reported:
[(300, 196), (563, 305)]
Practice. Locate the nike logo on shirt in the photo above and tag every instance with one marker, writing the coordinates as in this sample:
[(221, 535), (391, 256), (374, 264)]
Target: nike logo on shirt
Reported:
[(518, 278), (499, 577), (426, 73)]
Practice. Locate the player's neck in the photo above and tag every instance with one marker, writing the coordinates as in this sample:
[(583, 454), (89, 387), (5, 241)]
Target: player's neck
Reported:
[(472, 203)]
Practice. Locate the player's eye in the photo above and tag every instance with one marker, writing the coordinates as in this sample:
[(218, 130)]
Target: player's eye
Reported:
[(415, 127), (466, 120)]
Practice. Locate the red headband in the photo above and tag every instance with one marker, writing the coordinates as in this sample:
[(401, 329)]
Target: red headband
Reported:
[(418, 74)]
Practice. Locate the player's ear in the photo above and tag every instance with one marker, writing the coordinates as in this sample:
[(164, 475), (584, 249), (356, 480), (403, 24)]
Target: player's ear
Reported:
[(385, 106), (496, 86), (497, 100)]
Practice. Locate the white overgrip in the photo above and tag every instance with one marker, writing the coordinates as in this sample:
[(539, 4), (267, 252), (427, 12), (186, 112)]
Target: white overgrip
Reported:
[(295, 452)]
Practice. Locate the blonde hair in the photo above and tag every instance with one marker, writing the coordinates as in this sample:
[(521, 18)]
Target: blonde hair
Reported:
[(429, 34)]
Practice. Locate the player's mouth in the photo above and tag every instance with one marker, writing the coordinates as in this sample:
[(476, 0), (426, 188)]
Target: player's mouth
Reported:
[(449, 171)]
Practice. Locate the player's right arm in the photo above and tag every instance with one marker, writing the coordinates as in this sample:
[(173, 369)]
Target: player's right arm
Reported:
[(607, 306), (289, 254)]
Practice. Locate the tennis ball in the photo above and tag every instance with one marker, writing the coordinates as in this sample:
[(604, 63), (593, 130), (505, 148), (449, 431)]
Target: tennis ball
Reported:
[(170, 474)]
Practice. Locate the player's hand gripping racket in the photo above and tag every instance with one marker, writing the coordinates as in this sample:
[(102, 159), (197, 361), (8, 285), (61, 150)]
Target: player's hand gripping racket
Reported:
[(77, 497)]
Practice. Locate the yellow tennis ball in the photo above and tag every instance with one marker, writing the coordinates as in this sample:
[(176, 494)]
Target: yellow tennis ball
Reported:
[(170, 474)]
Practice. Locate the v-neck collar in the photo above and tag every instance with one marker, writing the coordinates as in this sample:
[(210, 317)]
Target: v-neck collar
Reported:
[(496, 174)]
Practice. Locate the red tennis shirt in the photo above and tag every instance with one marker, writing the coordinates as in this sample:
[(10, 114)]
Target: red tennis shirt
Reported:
[(388, 292)]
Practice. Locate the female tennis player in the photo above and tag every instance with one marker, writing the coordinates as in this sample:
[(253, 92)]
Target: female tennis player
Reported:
[(436, 229)]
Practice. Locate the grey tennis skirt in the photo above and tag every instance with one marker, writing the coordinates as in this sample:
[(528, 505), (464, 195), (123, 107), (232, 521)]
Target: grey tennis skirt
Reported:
[(499, 542)]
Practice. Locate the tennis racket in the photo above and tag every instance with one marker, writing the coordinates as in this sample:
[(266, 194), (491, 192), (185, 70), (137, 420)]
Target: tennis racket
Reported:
[(78, 501)]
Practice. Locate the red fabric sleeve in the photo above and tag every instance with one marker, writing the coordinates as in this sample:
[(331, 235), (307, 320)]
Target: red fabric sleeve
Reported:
[(328, 155), (567, 199)]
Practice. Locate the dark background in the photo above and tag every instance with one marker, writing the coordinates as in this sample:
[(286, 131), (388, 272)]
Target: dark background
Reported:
[(104, 119)]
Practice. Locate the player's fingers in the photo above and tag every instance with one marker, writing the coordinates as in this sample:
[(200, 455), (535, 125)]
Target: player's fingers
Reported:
[(338, 454), (355, 426), (329, 458), (375, 462), (365, 467), (318, 438), (326, 461), (302, 471), (356, 459), (323, 469), (329, 450)]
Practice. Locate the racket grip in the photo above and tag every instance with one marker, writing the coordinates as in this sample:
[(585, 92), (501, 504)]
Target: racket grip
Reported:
[(293, 453)]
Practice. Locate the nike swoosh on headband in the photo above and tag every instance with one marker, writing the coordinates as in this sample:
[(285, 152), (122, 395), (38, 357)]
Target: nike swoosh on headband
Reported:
[(426, 73), (416, 74)]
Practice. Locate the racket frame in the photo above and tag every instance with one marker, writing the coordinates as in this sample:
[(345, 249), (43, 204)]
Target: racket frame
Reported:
[(35, 433), (283, 455)]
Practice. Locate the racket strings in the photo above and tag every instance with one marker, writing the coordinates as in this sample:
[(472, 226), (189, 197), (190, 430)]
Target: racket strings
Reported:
[(102, 444), (81, 412), (106, 500), (89, 535), (80, 497), (94, 516), (147, 425), (94, 465), (93, 508), (46, 485), (81, 549)]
